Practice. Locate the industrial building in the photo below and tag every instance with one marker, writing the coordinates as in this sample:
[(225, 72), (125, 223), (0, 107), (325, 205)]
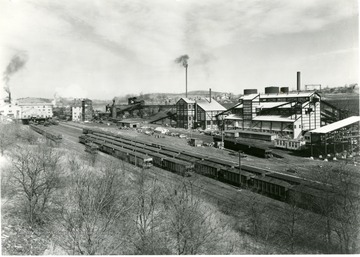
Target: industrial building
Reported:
[(12, 111), (281, 113), (76, 110), (35, 108), (337, 137), (87, 110), (199, 113)]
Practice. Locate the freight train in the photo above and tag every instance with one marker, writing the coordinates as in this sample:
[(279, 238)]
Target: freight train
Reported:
[(54, 137), (273, 184), (141, 157)]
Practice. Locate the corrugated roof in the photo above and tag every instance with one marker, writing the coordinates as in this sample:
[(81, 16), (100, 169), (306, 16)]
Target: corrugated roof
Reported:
[(273, 118), (206, 105), (336, 125)]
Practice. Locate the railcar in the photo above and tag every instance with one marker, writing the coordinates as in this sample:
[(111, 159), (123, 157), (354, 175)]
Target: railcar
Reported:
[(248, 148), (181, 167), (231, 175), (91, 148), (138, 159), (207, 168), (54, 137), (280, 186)]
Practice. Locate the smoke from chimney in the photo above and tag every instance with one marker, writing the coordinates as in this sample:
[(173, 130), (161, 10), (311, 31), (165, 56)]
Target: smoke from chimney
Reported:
[(17, 63), (184, 61)]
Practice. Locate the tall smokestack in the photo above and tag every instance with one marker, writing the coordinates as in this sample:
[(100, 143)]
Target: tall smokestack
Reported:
[(298, 88), (184, 61), (210, 94)]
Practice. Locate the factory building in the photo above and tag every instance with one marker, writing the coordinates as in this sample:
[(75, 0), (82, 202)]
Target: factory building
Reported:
[(199, 113), (35, 108), (12, 111), (337, 137), (282, 114), (76, 110), (87, 110)]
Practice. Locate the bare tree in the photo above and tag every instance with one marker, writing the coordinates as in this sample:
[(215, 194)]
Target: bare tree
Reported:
[(7, 137), (148, 216), (191, 225), (339, 206), (35, 175), (91, 218)]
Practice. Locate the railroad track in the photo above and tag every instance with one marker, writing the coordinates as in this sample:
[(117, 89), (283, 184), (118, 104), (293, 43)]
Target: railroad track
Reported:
[(213, 189)]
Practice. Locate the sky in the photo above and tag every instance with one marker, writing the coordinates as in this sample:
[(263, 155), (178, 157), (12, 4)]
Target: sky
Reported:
[(105, 48)]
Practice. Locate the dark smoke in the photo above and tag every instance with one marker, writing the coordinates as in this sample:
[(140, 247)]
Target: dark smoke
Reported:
[(16, 64), (183, 60)]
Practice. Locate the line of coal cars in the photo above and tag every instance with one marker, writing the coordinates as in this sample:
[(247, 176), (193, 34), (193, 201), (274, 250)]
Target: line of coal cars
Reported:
[(41, 130), (277, 185)]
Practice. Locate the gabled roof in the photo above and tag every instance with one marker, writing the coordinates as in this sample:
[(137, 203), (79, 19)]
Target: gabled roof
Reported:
[(208, 105), (336, 125), (187, 100)]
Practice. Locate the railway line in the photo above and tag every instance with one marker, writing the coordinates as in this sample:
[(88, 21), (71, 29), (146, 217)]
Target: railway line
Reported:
[(276, 185), (226, 198), (218, 192), (259, 181)]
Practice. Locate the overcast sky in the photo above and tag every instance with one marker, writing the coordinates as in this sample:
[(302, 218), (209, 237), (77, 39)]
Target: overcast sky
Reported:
[(103, 48)]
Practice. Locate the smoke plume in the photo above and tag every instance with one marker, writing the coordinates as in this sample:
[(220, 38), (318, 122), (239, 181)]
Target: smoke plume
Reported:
[(183, 60), (17, 63)]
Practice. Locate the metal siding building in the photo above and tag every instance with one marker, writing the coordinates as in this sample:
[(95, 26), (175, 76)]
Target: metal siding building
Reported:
[(282, 114)]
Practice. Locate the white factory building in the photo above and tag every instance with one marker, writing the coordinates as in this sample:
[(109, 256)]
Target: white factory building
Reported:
[(35, 108), (283, 114)]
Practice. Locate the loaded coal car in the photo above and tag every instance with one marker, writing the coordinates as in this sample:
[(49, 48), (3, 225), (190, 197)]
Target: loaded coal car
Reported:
[(91, 148), (248, 148), (135, 158), (82, 139), (181, 167), (271, 187), (207, 168), (230, 175)]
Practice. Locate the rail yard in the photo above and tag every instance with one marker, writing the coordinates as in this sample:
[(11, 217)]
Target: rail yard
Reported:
[(275, 181)]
